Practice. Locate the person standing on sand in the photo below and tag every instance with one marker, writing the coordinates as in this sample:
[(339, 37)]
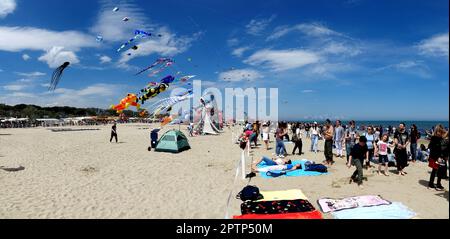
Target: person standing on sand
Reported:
[(297, 139), (436, 160), (265, 135), (328, 150), (359, 153), (382, 153), (350, 139), (279, 144), (339, 139), (113, 133), (414, 136), (371, 145), (401, 141), (315, 133)]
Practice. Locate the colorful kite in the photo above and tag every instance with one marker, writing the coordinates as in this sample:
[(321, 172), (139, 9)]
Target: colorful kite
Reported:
[(138, 34), (125, 103), (162, 63)]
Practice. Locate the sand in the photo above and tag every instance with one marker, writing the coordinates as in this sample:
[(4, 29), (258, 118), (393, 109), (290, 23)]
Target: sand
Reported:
[(81, 175)]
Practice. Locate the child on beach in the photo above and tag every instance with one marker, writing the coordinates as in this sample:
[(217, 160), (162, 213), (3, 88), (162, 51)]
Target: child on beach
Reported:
[(359, 153), (382, 153)]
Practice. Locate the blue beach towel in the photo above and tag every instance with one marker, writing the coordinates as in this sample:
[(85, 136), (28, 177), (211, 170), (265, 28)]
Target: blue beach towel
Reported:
[(395, 210), (296, 173)]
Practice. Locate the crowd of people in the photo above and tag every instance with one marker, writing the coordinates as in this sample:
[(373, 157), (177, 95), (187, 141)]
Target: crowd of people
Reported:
[(360, 146)]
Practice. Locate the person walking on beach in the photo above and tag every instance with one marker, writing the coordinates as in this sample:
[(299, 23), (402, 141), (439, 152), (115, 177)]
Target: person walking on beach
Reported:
[(113, 133), (307, 133), (315, 133), (436, 160), (297, 139), (279, 144), (339, 139), (382, 153), (358, 154), (328, 150), (371, 145), (414, 136), (401, 141), (350, 139), (265, 135)]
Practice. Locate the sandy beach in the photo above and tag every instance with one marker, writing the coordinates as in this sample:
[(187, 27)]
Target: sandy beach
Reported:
[(82, 175)]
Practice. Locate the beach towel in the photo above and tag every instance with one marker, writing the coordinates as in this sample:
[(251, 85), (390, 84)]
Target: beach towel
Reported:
[(395, 210), (286, 195), (295, 173), (333, 205), (302, 215), (276, 207), (283, 195)]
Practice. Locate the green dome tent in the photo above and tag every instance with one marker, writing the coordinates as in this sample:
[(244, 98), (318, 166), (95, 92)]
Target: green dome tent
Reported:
[(173, 141)]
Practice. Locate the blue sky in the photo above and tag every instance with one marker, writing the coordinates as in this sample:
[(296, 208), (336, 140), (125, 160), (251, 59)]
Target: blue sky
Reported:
[(345, 59)]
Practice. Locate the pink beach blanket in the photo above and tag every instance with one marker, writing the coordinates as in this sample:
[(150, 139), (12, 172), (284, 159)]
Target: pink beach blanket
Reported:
[(333, 205)]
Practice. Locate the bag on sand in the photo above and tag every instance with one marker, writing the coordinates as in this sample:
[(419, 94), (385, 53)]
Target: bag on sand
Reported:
[(250, 193)]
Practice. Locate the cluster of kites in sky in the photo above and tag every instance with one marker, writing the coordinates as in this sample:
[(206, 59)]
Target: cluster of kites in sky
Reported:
[(161, 110)]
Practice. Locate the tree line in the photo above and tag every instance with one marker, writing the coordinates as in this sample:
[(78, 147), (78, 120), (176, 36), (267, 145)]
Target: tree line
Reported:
[(37, 112)]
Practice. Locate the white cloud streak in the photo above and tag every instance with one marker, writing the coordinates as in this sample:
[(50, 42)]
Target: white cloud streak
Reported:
[(435, 46), (56, 56), (280, 60)]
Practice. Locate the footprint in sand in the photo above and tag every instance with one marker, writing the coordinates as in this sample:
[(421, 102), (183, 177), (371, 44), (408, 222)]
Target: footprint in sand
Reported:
[(89, 170)]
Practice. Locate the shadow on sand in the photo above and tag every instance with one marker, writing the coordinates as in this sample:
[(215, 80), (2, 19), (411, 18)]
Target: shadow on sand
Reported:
[(20, 168)]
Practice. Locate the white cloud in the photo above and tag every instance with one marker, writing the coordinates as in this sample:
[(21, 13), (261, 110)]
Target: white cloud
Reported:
[(233, 42), (257, 26), (110, 26), (435, 46), (280, 60), (168, 45), (57, 56), (308, 91), (340, 48), (16, 39), (309, 29), (240, 75), (240, 51), (26, 57), (31, 74), (105, 59), (14, 87), (7, 7), (413, 67), (98, 95)]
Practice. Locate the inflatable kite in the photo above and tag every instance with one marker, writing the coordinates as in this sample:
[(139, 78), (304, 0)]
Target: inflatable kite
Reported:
[(125, 103), (152, 92), (162, 63), (56, 76), (138, 34)]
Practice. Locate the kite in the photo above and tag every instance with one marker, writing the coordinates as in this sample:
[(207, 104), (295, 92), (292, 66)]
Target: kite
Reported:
[(138, 34), (163, 63), (116, 9), (134, 48), (150, 93), (57, 75), (99, 38), (125, 103), (125, 19)]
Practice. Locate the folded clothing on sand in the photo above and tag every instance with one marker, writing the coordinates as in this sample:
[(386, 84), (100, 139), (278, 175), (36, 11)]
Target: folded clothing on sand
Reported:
[(395, 210), (332, 205)]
